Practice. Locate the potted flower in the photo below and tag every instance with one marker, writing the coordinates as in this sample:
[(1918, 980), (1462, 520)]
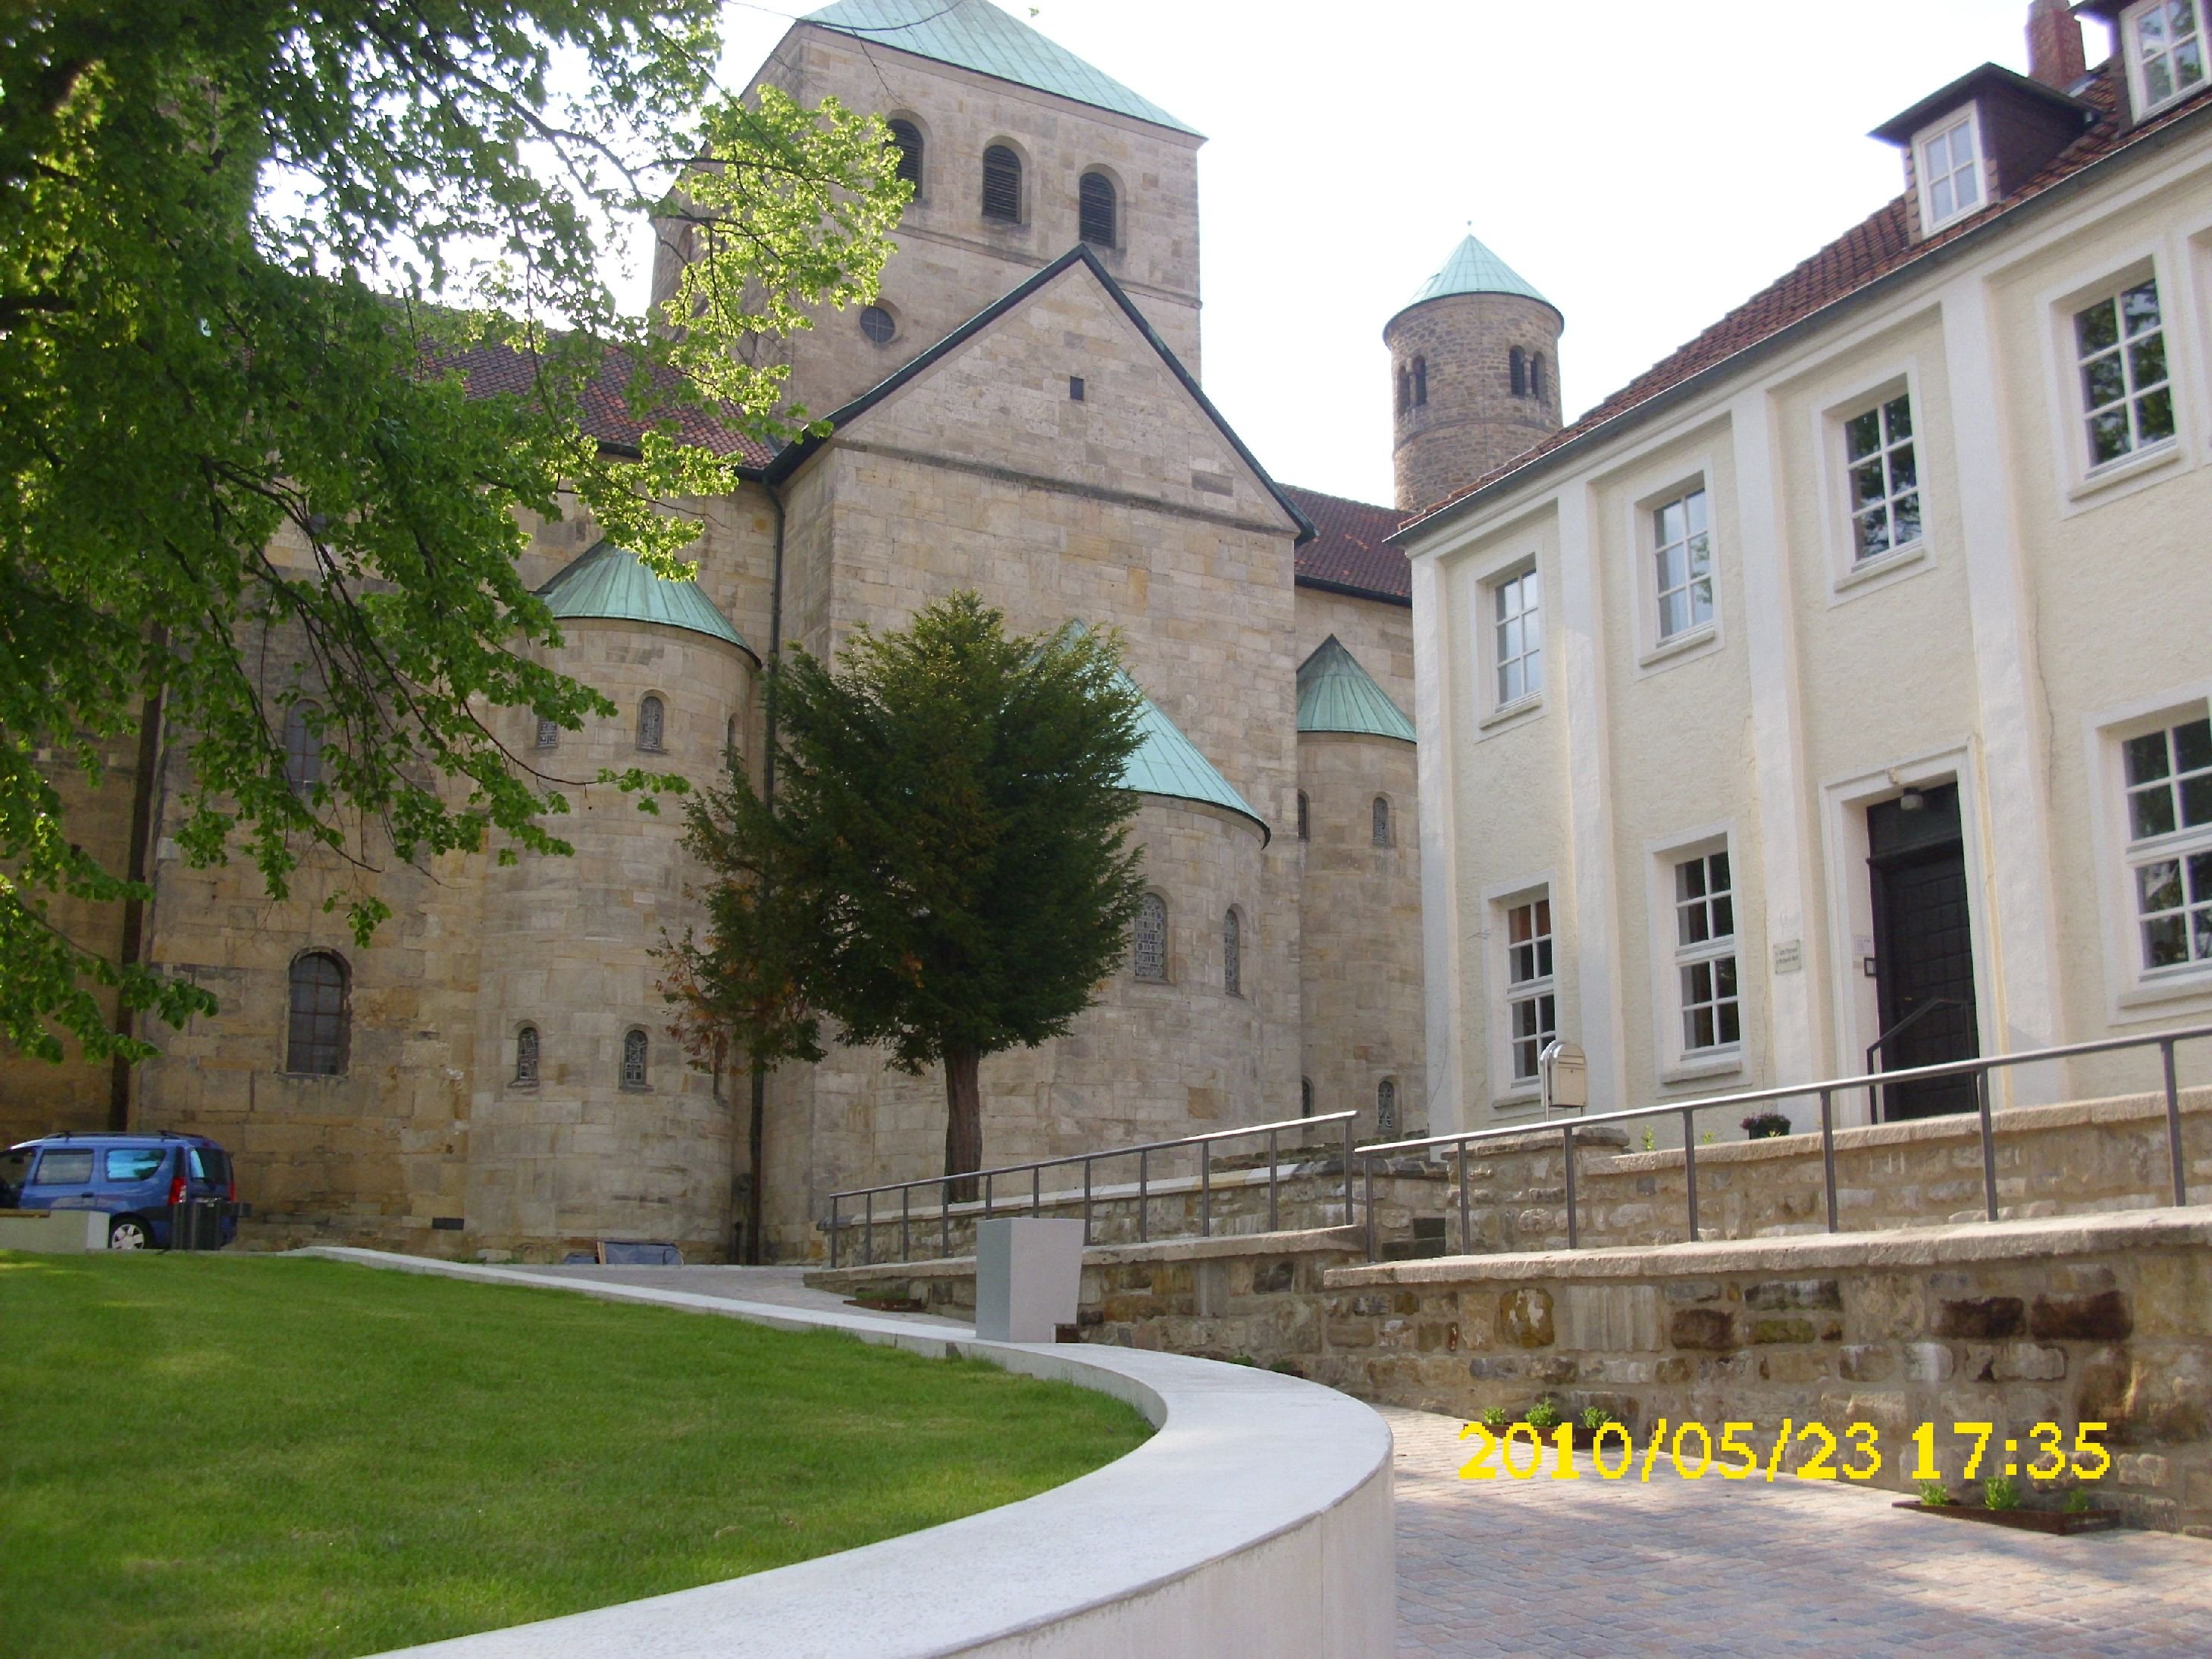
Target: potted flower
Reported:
[(1765, 1126)]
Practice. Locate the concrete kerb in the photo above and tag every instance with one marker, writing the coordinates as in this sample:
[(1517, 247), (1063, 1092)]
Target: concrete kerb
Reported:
[(1257, 1519)]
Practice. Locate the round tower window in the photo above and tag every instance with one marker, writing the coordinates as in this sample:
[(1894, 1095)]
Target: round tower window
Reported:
[(878, 324)]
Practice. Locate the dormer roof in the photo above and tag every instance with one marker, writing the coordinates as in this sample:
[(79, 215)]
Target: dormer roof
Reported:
[(974, 34), (1994, 81)]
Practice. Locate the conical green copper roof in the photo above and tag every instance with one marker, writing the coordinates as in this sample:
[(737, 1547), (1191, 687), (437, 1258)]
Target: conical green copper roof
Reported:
[(1168, 764), (976, 35), (1474, 269), (1336, 694), (610, 583)]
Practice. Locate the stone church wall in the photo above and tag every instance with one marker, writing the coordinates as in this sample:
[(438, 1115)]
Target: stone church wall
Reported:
[(1473, 422)]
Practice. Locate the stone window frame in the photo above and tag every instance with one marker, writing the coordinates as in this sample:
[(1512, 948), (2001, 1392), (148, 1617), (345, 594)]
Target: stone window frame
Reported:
[(2140, 100), (653, 724), (1929, 184), (1116, 227), (549, 732), (1387, 1124), (2138, 991), (1382, 817), (303, 746), (1420, 371), (914, 162), (1025, 171), (1153, 896), (1305, 1096), (1235, 950), (1517, 371), (879, 324), (1510, 1090), (327, 1031), (636, 1065), (529, 1055), (1305, 817)]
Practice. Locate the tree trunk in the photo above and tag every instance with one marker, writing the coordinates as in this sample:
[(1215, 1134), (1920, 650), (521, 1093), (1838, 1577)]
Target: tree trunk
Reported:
[(963, 1121), (754, 1255)]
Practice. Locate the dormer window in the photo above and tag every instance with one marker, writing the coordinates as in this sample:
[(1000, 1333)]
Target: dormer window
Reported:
[(2166, 51), (1950, 161)]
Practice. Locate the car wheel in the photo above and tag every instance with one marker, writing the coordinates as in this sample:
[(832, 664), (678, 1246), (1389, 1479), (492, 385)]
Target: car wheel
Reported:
[(128, 1232)]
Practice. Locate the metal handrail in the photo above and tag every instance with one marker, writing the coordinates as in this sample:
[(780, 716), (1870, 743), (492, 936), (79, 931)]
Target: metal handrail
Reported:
[(1874, 1049), (1979, 1069), (1142, 1152)]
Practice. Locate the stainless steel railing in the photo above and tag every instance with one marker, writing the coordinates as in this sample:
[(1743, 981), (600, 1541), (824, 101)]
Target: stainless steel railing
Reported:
[(2164, 1042), (1144, 1153)]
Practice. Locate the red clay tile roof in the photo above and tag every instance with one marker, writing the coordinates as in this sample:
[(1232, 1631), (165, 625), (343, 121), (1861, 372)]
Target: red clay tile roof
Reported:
[(1347, 550), (493, 369), (1881, 244)]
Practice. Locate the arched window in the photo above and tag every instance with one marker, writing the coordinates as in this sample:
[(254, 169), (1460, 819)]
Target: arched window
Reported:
[(1536, 375), (303, 750), (652, 719), (1421, 381), (731, 753), (907, 137), (1149, 956), (525, 1055), (1519, 361), (1232, 953), (1305, 817), (1381, 822), (316, 1037), (878, 325), (1385, 1108), (1405, 388), (1002, 184), (1305, 1096), (1094, 207), (632, 1075), (548, 733)]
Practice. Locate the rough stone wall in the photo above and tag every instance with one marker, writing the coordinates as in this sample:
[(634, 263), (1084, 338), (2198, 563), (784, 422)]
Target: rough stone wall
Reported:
[(951, 261), (1472, 423), (1359, 963)]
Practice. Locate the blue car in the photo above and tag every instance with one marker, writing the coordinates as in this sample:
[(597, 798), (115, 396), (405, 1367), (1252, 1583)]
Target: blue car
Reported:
[(135, 1179)]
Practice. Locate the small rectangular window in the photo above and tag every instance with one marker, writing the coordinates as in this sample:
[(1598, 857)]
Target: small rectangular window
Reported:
[(2168, 778), (1950, 173), (1075, 388), (1705, 953), (1682, 546), (2127, 397), (2167, 37), (1885, 480), (1531, 1007), (1518, 638), (132, 1164)]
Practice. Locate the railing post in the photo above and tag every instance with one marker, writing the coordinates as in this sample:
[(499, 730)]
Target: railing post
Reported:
[(1367, 1171), (2173, 1126), (1086, 1203), (1036, 1190), (833, 1229), (1273, 1221), (1205, 1189), (1347, 1185), (987, 1194), (944, 1217), (868, 1234), (1144, 1203), (1690, 1167), (1567, 1145), (1466, 1227), (1989, 1145), (906, 1224), (1828, 1155)]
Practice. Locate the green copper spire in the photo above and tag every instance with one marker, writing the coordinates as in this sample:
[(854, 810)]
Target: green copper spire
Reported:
[(610, 584), (1336, 694), (976, 35), (1474, 269)]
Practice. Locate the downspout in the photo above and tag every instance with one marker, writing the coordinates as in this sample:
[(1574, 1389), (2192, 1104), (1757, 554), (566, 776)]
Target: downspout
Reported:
[(754, 1133), (131, 945)]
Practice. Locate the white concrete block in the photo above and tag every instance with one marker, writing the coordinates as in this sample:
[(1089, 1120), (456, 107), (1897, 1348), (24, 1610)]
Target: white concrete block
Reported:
[(1028, 1272)]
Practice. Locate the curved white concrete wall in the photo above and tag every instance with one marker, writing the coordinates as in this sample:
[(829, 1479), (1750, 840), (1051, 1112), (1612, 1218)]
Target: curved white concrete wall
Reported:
[(1257, 1520)]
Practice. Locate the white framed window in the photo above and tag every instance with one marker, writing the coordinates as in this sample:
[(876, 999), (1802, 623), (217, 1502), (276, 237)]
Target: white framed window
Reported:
[(1883, 472), (1517, 635), (2127, 392), (2166, 51), (2168, 775), (1705, 974), (1949, 164), (1682, 554), (1532, 1018)]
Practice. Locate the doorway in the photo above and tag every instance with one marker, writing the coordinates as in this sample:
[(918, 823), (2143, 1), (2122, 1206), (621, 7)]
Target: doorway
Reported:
[(1924, 949)]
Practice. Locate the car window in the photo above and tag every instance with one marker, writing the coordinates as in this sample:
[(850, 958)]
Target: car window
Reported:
[(60, 1168), (14, 1167), (134, 1163), (209, 1165)]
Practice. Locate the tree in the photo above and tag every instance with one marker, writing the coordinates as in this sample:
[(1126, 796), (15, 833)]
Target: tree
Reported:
[(945, 869), (247, 248)]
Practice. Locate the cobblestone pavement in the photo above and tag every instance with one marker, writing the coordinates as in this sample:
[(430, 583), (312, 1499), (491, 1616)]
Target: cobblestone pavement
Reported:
[(1713, 1568)]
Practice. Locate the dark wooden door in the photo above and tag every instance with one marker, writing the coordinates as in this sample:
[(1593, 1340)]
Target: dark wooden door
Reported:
[(1923, 949)]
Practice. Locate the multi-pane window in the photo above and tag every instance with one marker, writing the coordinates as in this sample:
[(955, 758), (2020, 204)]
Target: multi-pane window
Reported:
[(1885, 479), (907, 137), (1705, 953), (2127, 400), (1002, 184), (2169, 41), (1149, 950), (1684, 551), (1381, 822), (1094, 209), (1531, 1010), (548, 733), (303, 750), (1232, 953), (1385, 1108), (878, 325), (1951, 172), (2169, 784), (633, 1064), (525, 1055), (1519, 636), (651, 722), (315, 1036)]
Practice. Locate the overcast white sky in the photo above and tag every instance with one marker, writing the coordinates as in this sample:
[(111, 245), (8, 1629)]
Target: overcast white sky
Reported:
[(1646, 165)]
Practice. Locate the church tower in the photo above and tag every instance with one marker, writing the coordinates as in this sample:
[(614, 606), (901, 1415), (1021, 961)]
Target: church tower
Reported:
[(1474, 374)]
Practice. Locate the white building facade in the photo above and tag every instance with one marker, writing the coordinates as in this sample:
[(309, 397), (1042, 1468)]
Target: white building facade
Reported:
[(1851, 667)]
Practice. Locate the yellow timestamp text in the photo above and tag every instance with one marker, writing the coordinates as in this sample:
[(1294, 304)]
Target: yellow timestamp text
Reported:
[(1693, 1451)]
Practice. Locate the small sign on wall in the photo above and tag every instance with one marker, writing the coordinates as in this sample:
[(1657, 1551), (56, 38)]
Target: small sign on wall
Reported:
[(1789, 956)]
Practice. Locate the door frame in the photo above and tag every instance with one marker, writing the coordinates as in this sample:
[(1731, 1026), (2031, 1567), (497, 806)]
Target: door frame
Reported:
[(1855, 1003)]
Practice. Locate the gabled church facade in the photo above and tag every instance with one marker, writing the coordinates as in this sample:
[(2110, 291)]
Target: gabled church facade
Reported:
[(1019, 414)]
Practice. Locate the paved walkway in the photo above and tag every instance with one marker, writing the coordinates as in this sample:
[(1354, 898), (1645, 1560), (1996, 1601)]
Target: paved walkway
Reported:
[(1712, 1567), (782, 1288)]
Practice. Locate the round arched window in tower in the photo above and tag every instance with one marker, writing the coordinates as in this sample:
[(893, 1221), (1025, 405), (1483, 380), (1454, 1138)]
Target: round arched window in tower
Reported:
[(878, 324), (1385, 1108)]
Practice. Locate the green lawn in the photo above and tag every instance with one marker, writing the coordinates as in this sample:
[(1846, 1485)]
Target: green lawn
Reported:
[(240, 1455)]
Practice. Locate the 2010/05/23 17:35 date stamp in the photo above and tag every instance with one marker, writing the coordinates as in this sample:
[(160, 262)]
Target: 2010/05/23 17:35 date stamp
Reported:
[(1695, 1451)]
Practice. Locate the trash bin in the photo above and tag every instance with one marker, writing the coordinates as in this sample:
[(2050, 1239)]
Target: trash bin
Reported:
[(196, 1224)]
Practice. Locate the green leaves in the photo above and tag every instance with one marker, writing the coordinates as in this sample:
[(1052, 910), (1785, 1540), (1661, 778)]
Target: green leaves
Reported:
[(246, 253)]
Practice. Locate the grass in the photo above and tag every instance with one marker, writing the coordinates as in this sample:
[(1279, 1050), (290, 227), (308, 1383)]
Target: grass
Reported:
[(233, 1455)]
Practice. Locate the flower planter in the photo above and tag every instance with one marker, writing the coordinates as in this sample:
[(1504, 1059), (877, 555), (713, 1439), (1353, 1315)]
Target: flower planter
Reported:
[(2053, 1521)]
